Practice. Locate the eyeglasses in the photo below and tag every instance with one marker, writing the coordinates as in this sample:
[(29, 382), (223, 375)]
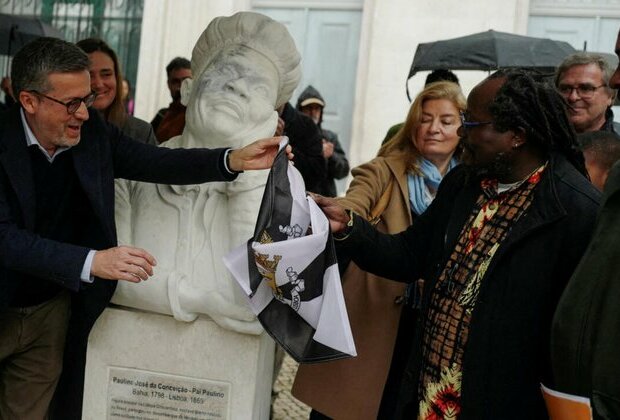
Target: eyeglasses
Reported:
[(467, 125), (584, 90), (74, 104)]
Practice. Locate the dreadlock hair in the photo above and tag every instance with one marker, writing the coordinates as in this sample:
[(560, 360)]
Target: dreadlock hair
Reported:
[(525, 102)]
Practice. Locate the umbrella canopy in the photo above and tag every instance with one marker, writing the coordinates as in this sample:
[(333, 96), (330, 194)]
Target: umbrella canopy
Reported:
[(17, 30), (490, 50)]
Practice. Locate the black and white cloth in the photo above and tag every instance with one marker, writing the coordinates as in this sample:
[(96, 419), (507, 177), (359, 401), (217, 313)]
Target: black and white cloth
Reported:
[(289, 271)]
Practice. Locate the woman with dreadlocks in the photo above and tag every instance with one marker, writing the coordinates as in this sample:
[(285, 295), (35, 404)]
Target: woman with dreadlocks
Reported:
[(495, 249)]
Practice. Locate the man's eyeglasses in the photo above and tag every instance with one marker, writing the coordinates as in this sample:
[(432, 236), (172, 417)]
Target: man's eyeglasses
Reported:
[(584, 90), (74, 104), (467, 125)]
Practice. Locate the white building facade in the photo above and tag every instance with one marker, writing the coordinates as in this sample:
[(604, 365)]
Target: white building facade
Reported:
[(358, 52)]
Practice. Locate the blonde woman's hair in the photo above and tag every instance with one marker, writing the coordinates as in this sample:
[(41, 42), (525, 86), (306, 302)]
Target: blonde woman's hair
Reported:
[(402, 142)]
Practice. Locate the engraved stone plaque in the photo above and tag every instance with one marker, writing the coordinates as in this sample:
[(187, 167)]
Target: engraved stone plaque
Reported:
[(144, 395)]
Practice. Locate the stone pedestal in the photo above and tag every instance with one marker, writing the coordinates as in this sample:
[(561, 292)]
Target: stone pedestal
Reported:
[(148, 366)]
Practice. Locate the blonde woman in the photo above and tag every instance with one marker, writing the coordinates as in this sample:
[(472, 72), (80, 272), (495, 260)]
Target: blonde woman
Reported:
[(399, 184)]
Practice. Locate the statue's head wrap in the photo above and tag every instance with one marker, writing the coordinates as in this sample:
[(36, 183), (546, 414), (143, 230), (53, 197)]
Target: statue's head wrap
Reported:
[(259, 33)]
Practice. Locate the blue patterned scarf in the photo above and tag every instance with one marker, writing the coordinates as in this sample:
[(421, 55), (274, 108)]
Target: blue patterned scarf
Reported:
[(420, 195)]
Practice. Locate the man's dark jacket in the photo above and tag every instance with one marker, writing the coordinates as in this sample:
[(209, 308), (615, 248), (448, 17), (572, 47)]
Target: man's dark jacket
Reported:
[(610, 124), (507, 352), (103, 154), (305, 140), (337, 163), (337, 166), (585, 337)]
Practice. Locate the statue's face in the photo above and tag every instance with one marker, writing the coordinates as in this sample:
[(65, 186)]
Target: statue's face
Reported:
[(235, 93)]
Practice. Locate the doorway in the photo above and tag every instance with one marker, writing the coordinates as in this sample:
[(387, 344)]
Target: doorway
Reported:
[(328, 41)]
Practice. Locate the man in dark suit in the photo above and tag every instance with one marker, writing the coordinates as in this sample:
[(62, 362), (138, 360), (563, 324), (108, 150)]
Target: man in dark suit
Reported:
[(58, 256)]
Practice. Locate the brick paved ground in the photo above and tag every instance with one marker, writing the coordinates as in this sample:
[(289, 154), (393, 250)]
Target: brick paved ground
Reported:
[(284, 405)]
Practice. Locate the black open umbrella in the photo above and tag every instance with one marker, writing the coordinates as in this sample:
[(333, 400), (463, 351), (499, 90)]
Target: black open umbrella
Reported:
[(490, 50), (18, 30)]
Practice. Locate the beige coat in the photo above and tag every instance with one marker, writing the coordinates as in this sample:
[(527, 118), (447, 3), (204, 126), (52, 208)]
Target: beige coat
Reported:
[(352, 388)]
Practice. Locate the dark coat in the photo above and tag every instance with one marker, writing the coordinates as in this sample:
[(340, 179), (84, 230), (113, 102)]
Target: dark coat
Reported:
[(158, 117), (507, 353), (337, 166), (585, 336), (139, 130), (305, 140), (610, 124), (337, 163), (103, 154)]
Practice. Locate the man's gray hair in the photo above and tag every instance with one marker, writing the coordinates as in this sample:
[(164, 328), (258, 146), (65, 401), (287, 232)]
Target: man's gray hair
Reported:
[(582, 59), (259, 33), (41, 57)]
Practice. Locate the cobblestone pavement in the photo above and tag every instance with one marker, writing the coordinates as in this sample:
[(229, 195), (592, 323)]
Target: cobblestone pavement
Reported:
[(284, 405)]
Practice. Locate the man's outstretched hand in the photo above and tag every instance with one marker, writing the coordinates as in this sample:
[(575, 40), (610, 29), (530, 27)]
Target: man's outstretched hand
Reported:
[(338, 217), (257, 155), (123, 263)]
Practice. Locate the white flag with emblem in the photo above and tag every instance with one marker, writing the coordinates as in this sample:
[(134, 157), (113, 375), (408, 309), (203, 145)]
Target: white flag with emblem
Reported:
[(289, 271)]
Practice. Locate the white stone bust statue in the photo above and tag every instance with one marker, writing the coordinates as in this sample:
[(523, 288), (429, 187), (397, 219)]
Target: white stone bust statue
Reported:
[(245, 66)]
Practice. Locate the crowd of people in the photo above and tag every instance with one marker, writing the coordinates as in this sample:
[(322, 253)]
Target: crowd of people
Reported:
[(501, 305), (477, 249)]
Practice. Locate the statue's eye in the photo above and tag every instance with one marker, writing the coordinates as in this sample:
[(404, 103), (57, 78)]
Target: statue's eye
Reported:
[(228, 70), (262, 90), (205, 83)]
